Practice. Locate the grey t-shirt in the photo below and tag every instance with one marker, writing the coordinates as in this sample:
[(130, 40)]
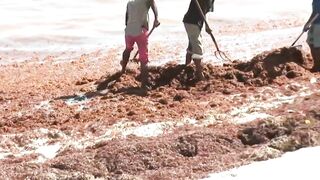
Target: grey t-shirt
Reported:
[(137, 16)]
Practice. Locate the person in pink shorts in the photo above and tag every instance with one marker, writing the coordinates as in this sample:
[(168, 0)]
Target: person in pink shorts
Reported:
[(136, 31)]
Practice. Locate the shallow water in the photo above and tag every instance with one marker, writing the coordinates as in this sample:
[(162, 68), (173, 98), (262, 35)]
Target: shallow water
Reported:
[(73, 25)]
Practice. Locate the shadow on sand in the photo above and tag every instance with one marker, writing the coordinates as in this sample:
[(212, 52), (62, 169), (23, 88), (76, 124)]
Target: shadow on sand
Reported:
[(171, 75)]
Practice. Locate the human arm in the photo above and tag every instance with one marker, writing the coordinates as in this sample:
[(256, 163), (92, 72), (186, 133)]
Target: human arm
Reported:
[(207, 6), (154, 8), (127, 17), (208, 29), (312, 17)]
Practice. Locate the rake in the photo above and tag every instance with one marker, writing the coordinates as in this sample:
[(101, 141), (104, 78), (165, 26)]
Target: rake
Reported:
[(305, 30), (218, 53)]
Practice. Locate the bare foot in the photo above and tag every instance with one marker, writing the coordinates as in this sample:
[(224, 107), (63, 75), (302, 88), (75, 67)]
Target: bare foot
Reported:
[(199, 76)]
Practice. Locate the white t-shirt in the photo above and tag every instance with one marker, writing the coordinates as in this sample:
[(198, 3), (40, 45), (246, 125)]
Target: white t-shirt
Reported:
[(137, 16)]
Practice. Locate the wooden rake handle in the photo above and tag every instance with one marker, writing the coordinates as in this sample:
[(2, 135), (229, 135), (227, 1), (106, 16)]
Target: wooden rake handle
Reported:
[(207, 24), (310, 23), (135, 56)]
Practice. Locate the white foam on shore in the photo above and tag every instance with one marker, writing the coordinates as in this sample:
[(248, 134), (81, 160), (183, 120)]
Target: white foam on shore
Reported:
[(256, 107), (301, 164), (47, 152), (39, 145), (44, 105)]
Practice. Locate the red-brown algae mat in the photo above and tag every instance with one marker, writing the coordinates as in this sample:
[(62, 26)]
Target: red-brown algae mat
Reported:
[(74, 120)]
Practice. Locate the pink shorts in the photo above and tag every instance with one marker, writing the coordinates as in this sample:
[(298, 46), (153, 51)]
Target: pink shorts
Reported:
[(142, 42)]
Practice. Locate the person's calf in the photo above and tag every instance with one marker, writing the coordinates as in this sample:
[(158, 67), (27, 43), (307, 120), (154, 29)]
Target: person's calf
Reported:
[(188, 58), (144, 75), (315, 52), (125, 60), (199, 69)]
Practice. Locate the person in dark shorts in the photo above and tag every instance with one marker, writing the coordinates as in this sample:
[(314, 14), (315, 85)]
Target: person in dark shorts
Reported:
[(193, 22), (314, 35)]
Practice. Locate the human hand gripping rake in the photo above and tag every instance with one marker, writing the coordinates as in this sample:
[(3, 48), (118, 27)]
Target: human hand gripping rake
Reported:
[(305, 29), (218, 53)]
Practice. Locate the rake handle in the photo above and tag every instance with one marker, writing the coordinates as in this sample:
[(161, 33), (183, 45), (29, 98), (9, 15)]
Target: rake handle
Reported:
[(309, 24), (214, 40), (297, 38), (207, 24), (135, 56)]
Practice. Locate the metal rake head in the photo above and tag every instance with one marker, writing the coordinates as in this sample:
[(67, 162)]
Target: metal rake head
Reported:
[(221, 55)]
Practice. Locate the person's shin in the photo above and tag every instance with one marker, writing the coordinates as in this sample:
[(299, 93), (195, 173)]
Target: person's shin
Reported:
[(199, 69), (316, 58), (125, 59), (315, 52), (144, 74), (188, 58)]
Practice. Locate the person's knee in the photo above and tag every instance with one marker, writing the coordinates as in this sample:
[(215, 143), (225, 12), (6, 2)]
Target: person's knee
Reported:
[(197, 56), (126, 54), (143, 60), (143, 54), (127, 50)]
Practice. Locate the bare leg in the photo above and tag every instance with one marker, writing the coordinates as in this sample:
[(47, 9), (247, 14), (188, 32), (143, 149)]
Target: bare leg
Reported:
[(125, 60), (188, 58), (315, 52), (199, 69), (144, 75)]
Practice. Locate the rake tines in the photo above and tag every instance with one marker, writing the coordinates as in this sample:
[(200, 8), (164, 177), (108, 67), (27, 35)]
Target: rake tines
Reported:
[(221, 55)]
